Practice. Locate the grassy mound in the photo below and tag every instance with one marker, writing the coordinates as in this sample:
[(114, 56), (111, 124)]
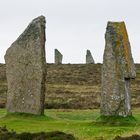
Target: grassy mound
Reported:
[(12, 135), (116, 121)]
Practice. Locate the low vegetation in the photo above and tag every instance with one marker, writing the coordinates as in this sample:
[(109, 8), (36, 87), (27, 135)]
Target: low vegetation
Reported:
[(133, 137), (73, 86), (82, 124), (5, 134)]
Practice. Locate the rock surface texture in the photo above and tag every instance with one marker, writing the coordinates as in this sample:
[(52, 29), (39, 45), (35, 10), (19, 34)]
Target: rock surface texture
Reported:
[(58, 57), (117, 71), (89, 58), (26, 69)]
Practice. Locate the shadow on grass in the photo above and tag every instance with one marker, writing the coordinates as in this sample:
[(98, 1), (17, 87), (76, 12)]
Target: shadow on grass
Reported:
[(116, 121)]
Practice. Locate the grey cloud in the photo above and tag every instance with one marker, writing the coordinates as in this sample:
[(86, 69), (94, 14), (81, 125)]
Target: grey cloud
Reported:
[(72, 25)]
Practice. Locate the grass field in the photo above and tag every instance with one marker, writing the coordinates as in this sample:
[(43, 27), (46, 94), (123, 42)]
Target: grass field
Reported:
[(83, 124)]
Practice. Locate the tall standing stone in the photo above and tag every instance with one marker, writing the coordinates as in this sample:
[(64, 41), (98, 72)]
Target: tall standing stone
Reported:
[(25, 69), (118, 69), (58, 57), (89, 58)]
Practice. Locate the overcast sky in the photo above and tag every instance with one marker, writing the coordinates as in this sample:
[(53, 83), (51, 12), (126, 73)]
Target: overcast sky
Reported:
[(72, 26)]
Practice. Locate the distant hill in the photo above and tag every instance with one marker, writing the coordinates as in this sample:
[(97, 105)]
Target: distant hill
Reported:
[(73, 86)]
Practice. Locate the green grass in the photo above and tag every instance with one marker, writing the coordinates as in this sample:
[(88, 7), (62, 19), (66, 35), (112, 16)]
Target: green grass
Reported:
[(83, 124), (116, 121)]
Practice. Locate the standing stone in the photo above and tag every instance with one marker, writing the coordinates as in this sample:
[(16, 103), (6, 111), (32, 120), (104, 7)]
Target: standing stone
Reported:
[(25, 69), (58, 57), (118, 69), (89, 58)]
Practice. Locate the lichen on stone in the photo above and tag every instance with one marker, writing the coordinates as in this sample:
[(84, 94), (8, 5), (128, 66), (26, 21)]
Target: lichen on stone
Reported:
[(118, 69), (26, 70)]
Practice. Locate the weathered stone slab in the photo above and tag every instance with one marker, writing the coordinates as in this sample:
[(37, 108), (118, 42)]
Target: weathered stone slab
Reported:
[(25, 69), (89, 58), (118, 69), (58, 57)]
